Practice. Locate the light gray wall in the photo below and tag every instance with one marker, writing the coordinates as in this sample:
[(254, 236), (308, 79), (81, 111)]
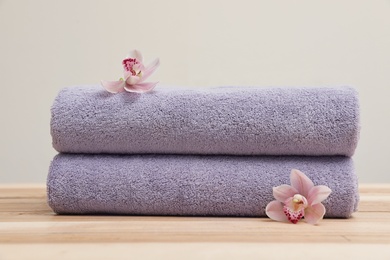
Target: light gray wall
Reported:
[(46, 45)]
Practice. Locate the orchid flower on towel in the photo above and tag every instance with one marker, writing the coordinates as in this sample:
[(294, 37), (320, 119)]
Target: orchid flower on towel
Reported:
[(300, 200), (134, 75)]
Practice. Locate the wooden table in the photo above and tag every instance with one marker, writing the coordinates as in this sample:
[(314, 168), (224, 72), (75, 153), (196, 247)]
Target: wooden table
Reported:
[(30, 230)]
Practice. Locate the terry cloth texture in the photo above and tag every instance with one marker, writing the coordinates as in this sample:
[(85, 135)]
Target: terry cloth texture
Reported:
[(190, 184), (219, 120)]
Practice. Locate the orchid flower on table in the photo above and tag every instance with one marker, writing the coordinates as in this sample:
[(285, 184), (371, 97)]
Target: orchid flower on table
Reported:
[(134, 75), (299, 200)]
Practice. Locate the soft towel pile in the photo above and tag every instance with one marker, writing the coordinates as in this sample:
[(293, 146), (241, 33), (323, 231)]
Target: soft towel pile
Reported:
[(206, 151)]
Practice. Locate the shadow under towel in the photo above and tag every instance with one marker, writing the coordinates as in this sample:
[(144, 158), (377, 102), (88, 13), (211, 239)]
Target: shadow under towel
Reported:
[(190, 185), (218, 120)]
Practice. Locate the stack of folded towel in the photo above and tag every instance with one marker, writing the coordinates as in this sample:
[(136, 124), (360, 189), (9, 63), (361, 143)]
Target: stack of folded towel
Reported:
[(202, 151)]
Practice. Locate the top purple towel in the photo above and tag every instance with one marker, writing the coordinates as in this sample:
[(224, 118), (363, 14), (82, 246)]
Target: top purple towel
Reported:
[(218, 120)]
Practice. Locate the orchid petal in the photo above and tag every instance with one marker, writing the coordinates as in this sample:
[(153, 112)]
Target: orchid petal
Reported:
[(313, 214), (135, 54), (274, 210), (150, 69), (301, 182), (283, 192), (113, 86), (318, 193), (132, 80), (141, 87)]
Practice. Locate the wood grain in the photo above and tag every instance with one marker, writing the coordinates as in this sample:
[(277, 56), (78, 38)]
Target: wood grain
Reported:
[(27, 221)]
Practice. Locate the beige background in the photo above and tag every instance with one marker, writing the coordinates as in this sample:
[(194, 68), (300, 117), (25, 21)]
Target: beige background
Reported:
[(46, 45)]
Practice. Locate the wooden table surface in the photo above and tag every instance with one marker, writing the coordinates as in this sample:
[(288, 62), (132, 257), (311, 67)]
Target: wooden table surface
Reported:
[(30, 230)]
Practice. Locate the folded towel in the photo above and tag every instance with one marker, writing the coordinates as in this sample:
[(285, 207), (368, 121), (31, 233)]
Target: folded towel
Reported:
[(220, 120), (190, 184)]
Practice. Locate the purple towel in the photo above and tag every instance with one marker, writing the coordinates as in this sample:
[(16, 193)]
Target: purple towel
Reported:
[(190, 184), (220, 120)]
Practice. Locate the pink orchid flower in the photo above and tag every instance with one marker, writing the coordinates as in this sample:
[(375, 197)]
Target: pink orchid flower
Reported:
[(301, 199), (134, 75)]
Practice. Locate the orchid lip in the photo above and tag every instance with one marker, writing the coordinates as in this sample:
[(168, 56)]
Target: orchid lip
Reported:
[(293, 216)]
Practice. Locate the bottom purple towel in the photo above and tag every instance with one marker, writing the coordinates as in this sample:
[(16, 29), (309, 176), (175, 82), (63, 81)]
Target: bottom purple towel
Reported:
[(190, 185)]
